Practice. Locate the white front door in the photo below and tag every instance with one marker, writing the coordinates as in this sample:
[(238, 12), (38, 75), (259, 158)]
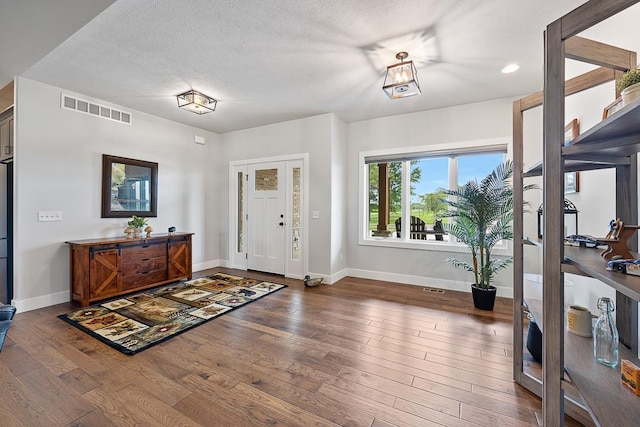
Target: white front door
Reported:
[(266, 218)]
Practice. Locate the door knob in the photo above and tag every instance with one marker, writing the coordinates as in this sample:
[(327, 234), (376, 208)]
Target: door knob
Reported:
[(281, 224)]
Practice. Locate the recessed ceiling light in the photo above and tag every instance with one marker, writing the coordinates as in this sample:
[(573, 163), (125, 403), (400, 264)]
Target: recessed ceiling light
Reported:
[(510, 68)]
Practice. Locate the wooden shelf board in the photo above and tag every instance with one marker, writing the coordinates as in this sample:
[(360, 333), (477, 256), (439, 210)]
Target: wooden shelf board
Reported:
[(588, 385), (589, 261), (578, 165), (535, 170), (618, 134), (610, 402), (612, 140), (533, 241), (575, 405)]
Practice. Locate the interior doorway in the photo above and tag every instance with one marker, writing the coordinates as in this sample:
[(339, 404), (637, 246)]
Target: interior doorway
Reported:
[(267, 207)]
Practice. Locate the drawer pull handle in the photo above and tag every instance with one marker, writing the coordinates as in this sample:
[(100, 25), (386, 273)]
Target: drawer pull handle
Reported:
[(144, 259)]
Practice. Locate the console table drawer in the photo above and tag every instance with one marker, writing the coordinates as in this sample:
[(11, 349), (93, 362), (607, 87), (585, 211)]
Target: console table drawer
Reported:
[(143, 266), (143, 279), (141, 252)]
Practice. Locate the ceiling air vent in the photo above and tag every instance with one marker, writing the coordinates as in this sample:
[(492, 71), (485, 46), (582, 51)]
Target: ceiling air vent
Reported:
[(73, 103)]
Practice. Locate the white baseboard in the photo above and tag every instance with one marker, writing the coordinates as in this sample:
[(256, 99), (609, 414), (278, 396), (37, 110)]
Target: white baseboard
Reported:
[(62, 297), (208, 264), (452, 285), (29, 304), (330, 280)]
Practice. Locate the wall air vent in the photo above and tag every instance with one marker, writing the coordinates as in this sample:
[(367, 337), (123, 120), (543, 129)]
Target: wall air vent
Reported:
[(72, 103)]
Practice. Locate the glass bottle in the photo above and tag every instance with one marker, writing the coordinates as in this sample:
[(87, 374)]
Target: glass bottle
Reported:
[(605, 335)]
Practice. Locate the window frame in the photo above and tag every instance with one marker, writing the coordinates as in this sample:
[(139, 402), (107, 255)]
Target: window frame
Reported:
[(407, 154)]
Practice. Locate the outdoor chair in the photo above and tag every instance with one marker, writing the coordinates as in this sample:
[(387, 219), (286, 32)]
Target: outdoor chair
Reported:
[(417, 228)]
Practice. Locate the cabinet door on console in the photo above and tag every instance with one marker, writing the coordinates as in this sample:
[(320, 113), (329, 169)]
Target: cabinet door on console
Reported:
[(179, 259), (103, 273)]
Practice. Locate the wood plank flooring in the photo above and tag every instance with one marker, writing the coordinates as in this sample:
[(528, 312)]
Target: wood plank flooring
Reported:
[(356, 353)]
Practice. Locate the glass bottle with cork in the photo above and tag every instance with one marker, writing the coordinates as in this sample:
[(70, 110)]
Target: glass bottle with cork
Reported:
[(605, 335)]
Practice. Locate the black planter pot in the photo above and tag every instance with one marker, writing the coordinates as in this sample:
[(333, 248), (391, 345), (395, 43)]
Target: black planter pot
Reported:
[(534, 341), (483, 298)]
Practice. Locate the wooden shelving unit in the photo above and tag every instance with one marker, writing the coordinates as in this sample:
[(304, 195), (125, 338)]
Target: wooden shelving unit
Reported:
[(613, 143), (608, 401), (593, 265)]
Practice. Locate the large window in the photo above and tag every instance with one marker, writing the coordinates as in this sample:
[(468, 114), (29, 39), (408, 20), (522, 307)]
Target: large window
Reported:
[(404, 201)]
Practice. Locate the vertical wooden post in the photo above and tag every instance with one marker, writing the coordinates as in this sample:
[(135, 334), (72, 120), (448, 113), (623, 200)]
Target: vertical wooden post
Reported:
[(518, 249), (627, 208), (382, 229), (553, 252)]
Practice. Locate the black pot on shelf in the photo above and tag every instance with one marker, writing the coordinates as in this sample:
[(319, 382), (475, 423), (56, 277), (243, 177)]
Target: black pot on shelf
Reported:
[(534, 340), (483, 298)]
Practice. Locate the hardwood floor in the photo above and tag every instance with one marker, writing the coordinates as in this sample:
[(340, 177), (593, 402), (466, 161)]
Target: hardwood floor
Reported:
[(356, 353)]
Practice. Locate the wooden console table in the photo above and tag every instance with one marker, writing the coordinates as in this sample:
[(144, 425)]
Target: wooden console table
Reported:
[(107, 267)]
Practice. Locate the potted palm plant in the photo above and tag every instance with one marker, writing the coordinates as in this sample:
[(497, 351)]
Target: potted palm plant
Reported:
[(136, 223), (482, 216)]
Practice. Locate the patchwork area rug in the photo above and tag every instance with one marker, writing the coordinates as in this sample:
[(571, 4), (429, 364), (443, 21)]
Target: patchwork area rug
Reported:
[(135, 322)]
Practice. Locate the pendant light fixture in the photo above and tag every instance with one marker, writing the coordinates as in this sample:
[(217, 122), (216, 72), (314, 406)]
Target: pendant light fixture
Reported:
[(401, 79), (196, 102)]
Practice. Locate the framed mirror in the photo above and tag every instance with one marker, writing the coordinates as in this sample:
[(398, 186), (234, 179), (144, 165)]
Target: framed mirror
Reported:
[(129, 187)]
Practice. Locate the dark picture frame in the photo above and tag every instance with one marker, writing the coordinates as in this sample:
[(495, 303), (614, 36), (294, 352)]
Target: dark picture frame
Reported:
[(571, 179), (129, 187)]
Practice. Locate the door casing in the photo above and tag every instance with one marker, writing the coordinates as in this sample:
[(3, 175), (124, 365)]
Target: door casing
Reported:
[(295, 268)]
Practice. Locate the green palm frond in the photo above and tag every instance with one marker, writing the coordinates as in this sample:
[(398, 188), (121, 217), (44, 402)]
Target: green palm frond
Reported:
[(461, 264)]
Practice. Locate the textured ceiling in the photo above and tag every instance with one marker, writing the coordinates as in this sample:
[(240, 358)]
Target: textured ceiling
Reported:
[(268, 61)]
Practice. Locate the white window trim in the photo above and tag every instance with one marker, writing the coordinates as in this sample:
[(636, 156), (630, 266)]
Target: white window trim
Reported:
[(363, 184)]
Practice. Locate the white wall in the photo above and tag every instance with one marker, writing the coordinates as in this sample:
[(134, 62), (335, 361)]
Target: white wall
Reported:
[(312, 135), (333, 148), (58, 166), (595, 204), (339, 167), (466, 123), (596, 199)]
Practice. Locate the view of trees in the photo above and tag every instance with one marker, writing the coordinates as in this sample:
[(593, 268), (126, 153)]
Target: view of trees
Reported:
[(428, 207)]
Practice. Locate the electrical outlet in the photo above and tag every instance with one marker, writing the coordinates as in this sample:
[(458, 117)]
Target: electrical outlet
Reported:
[(49, 216)]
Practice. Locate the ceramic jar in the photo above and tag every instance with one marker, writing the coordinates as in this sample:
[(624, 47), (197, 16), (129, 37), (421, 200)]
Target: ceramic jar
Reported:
[(630, 93), (579, 320)]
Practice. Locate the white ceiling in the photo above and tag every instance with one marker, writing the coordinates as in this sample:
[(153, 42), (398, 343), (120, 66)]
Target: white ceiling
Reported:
[(268, 61)]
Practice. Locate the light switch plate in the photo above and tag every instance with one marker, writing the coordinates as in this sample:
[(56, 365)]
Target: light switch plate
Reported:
[(315, 214), (49, 216)]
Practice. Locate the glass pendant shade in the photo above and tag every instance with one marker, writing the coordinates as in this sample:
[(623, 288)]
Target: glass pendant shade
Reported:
[(196, 102), (401, 79)]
